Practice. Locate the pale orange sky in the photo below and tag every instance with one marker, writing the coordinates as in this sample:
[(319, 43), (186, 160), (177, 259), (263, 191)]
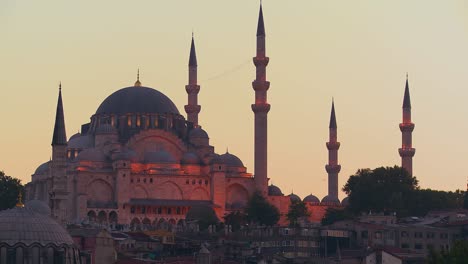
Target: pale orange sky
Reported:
[(356, 51)]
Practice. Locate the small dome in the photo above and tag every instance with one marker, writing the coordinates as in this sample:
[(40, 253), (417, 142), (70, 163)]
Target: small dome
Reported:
[(345, 202), (311, 199), (77, 135), (216, 159), (294, 198), (78, 141), (330, 200), (198, 132), (43, 168), (137, 99), (92, 155), (25, 226), (106, 129), (274, 191), (159, 157), (190, 158), (231, 160), (39, 207)]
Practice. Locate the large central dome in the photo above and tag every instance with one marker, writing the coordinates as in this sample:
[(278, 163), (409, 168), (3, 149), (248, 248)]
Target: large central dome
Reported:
[(137, 99)]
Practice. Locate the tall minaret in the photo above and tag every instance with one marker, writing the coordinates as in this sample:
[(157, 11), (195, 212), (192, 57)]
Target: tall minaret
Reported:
[(407, 151), (260, 109), (192, 108), (58, 183), (333, 168)]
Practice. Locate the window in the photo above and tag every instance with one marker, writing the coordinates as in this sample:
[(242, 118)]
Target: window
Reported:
[(151, 180), (405, 245), (178, 210), (430, 235), (404, 234), (144, 180), (378, 235), (159, 210), (143, 210), (132, 209), (365, 234), (169, 210), (187, 182), (418, 246)]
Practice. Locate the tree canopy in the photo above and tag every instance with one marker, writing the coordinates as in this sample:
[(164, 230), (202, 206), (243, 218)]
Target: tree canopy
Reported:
[(458, 254), (333, 215), (260, 211), (9, 190), (297, 210), (392, 189)]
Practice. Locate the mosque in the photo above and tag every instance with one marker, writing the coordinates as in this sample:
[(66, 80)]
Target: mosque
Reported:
[(139, 161)]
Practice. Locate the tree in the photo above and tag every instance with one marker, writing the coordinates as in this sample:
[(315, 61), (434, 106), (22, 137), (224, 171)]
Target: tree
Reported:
[(9, 190), (333, 215), (260, 211), (384, 189), (297, 210), (458, 254), (236, 220), (204, 215)]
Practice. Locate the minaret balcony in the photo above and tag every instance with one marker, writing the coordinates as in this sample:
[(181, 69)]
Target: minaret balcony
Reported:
[(261, 108), (192, 88), (333, 168), (189, 109), (406, 127), (333, 145), (260, 85), (261, 61), (407, 152)]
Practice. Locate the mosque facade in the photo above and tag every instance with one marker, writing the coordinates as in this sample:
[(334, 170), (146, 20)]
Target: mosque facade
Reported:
[(139, 161)]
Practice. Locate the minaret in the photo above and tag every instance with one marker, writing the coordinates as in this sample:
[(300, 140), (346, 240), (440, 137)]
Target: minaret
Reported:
[(58, 184), (260, 109), (333, 168), (192, 108), (407, 151)]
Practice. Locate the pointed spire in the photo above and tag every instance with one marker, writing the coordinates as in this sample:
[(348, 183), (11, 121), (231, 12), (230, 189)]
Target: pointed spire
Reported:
[(193, 54), (332, 116), (60, 136), (260, 25), (138, 83), (407, 99)]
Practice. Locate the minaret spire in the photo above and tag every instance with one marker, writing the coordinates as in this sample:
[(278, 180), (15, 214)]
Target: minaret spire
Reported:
[(406, 127), (192, 108), (333, 168), (59, 137), (261, 107)]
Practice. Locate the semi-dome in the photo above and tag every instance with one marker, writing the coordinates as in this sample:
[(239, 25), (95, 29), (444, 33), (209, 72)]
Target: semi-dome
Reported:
[(330, 200), (78, 141), (21, 225), (43, 168), (161, 156), (294, 198), (92, 155), (231, 160), (274, 191), (137, 99), (311, 199), (190, 158)]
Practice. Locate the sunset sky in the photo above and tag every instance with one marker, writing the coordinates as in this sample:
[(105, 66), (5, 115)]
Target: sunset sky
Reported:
[(355, 51)]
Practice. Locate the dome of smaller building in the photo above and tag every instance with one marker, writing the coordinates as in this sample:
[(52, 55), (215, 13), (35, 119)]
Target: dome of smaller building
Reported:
[(39, 207), (345, 201), (311, 199), (216, 159), (22, 225), (198, 132), (294, 198), (330, 200), (190, 158), (159, 157), (92, 155), (274, 191), (78, 141), (231, 160), (43, 168), (106, 129)]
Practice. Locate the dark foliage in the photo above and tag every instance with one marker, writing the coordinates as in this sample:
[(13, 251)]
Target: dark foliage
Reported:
[(204, 215), (297, 210), (236, 220), (260, 211), (458, 254), (9, 190), (333, 215)]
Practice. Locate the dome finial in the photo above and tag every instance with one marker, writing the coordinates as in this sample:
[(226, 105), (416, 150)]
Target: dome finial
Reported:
[(20, 200), (138, 83)]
